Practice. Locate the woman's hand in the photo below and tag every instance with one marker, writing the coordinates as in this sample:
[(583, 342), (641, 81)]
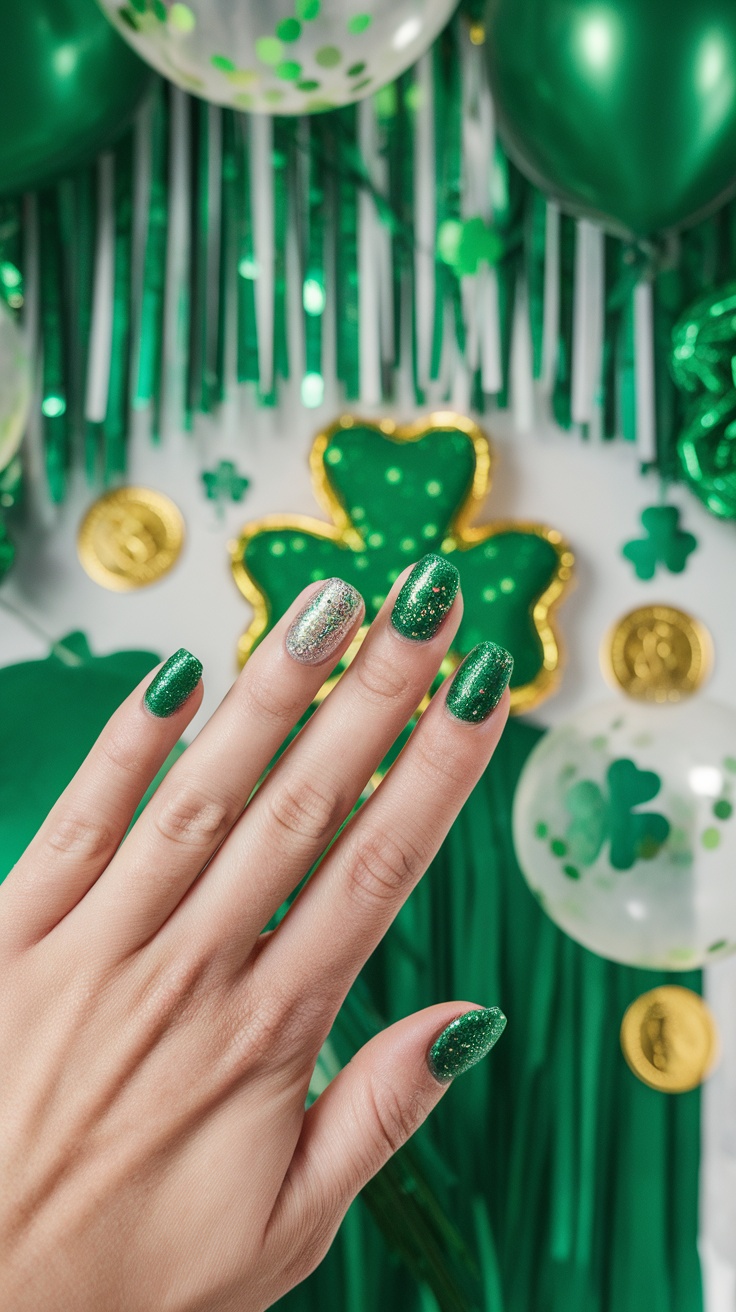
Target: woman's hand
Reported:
[(156, 1046)]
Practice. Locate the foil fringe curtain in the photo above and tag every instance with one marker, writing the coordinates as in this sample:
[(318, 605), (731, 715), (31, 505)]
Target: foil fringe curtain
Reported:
[(572, 1186), (210, 246)]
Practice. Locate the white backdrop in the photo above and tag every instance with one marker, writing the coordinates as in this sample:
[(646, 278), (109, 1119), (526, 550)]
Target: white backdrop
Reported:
[(591, 491)]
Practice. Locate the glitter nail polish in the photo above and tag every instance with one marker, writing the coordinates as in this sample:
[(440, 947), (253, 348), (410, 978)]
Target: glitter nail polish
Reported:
[(319, 629), (479, 682), (425, 598), (465, 1041), (175, 681)]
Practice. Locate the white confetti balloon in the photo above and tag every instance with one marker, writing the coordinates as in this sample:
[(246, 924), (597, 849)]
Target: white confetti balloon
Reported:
[(15, 386), (625, 829), (280, 56)]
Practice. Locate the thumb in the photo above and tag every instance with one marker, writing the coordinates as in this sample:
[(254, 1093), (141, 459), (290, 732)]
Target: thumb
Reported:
[(372, 1107)]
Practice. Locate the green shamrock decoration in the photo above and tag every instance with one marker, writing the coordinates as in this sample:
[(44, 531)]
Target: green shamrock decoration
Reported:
[(52, 710), (665, 544), (597, 819), (703, 364), (225, 482), (394, 494), (465, 246)]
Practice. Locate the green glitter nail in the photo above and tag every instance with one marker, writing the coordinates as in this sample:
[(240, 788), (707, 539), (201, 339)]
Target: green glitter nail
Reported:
[(175, 681), (465, 1041), (425, 598), (479, 683)]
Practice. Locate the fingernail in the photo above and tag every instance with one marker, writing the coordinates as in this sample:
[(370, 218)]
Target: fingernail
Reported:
[(425, 598), (479, 683), (465, 1041), (175, 681), (319, 629)]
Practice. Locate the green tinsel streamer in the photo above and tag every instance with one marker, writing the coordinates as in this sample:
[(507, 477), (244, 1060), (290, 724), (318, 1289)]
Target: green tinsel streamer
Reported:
[(561, 399), (150, 346), (283, 167), (509, 189), (116, 423), (313, 245), (346, 254), (247, 325), (200, 328), (448, 149), (228, 272), (534, 239), (54, 384)]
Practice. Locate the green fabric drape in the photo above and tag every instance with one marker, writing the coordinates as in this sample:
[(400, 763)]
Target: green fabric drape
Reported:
[(574, 1186)]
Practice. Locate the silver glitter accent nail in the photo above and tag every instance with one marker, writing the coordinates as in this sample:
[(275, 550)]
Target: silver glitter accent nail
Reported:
[(320, 628)]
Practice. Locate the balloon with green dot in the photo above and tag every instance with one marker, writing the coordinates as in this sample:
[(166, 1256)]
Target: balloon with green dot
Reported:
[(301, 56), (625, 829)]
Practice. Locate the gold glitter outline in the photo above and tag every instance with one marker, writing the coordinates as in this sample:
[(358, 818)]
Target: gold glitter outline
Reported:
[(171, 519), (461, 536)]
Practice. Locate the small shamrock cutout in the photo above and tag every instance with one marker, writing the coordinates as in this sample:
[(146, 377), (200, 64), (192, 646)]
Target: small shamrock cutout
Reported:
[(465, 246), (665, 544), (225, 482), (394, 494), (597, 819)]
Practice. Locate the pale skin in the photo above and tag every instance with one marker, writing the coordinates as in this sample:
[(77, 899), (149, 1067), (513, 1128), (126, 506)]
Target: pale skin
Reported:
[(156, 1046)]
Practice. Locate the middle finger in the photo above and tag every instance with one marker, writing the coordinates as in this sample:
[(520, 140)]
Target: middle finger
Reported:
[(314, 786)]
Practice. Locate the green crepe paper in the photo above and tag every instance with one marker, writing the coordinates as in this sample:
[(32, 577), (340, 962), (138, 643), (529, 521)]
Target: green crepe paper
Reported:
[(52, 711), (574, 1186), (665, 543), (401, 498)]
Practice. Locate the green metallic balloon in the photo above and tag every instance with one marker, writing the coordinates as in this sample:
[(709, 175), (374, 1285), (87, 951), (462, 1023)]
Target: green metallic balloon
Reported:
[(623, 110), (68, 87)]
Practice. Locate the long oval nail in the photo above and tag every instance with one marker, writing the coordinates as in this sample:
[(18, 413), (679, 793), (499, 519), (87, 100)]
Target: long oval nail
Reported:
[(319, 629), (465, 1041), (425, 598), (174, 683)]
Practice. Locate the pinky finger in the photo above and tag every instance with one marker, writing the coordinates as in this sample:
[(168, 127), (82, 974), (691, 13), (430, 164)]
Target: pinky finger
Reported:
[(84, 829), (371, 1109)]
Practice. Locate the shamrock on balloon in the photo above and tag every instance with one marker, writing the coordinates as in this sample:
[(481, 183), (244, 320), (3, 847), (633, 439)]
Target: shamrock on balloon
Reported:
[(665, 543), (393, 494), (599, 818)]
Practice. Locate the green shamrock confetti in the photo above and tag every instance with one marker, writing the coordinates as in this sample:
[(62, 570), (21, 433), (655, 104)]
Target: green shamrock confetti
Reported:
[(665, 543), (597, 818), (465, 246), (394, 494), (225, 482)]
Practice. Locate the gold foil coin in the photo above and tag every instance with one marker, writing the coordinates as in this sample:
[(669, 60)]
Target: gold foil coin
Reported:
[(669, 1039), (130, 537), (658, 654)]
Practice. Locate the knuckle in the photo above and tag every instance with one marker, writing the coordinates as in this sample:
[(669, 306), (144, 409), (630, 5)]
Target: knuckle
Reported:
[(266, 700), (380, 679), (122, 750), (381, 868), (392, 1120), (450, 767), (192, 819), (301, 808), (83, 836)]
